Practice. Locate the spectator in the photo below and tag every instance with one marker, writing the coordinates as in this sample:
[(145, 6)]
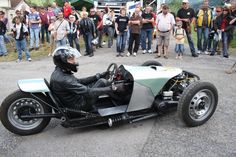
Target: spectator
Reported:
[(179, 35), (165, 24), (60, 30), (187, 16), (215, 31), (44, 24), (67, 9), (20, 32), (51, 30), (95, 18), (18, 14), (100, 28), (147, 30), (108, 25), (3, 18), (222, 24), (203, 24), (121, 26), (34, 20), (3, 29), (24, 13), (72, 35), (56, 9), (50, 13), (87, 29), (135, 24), (73, 12)]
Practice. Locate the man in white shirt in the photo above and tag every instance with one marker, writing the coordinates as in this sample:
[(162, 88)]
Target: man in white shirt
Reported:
[(61, 30), (165, 23)]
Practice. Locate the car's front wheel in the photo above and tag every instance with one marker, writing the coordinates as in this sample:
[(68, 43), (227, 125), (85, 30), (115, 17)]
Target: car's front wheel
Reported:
[(198, 103), (20, 104)]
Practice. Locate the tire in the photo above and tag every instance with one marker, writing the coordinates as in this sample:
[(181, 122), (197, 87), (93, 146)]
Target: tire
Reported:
[(151, 63), (197, 103), (19, 103)]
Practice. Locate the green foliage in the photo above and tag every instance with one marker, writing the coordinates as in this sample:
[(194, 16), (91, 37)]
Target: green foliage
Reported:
[(39, 3)]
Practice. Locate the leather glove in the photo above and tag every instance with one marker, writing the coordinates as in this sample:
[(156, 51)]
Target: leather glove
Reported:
[(101, 75), (118, 87)]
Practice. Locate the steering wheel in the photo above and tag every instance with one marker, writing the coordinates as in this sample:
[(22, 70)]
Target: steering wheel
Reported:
[(112, 71)]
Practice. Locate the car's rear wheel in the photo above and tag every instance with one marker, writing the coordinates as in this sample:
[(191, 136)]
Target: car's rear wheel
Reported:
[(151, 63), (198, 103), (20, 104)]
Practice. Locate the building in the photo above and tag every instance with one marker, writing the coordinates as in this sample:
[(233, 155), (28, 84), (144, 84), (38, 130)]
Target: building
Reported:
[(10, 6)]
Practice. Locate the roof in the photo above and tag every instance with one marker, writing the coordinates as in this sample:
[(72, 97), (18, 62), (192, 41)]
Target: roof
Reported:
[(14, 3)]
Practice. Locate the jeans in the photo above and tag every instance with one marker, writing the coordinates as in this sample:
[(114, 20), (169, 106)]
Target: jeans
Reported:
[(88, 37), (179, 48), (73, 39), (44, 30), (61, 42), (22, 45), (202, 31), (100, 37), (110, 36), (134, 38), (34, 37), (225, 43), (121, 42), (190, 42), (146, 33), (3, 49)]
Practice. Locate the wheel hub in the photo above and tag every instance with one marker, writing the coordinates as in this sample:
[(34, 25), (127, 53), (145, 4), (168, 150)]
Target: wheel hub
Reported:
[(200, 104), (22, 107)]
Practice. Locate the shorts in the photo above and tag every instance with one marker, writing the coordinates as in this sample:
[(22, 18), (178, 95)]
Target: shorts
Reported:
[(179, 48), (163, 39)]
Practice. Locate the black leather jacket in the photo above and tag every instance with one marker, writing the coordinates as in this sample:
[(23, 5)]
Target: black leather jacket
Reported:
[(73, 92)]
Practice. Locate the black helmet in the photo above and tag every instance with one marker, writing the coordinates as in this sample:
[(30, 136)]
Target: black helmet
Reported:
[(60, 56)]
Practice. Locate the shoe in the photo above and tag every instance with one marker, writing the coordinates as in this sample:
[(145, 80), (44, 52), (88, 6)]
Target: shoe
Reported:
[(144, 51), (177, 57), (86, 54), (91, 55), (194, 55), (135, 54), (226, 56), (103, 43), (199, 52), (150, 51), (100, 46), (180, 57), (158, 56), (31, 49), (121, 55), (211, 54), (165, 57), (18, 61), (118, 55), (128, 54), (36, 49), (206, 53), (29, 59)]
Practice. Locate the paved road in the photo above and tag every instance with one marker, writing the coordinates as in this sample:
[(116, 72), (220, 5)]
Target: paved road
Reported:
[(163, 136)]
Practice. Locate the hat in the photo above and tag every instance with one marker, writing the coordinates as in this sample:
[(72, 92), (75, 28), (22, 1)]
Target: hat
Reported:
[(72, 16), (185, 1)]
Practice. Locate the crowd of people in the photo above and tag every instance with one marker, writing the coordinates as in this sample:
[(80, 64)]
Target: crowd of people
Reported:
[(61, 26)]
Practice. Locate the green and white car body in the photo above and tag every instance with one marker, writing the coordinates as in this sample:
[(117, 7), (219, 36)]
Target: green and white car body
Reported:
[(148, 82)]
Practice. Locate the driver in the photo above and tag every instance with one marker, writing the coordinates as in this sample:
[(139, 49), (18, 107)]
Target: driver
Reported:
[(73, 92)]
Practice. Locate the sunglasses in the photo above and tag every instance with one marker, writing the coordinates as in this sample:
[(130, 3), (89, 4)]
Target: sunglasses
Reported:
[(218, 11)]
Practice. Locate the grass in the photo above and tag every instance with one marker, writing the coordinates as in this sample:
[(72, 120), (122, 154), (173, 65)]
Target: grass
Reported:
[(43, 51)]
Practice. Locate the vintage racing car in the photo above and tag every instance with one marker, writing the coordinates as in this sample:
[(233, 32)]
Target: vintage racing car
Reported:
[(150, 90)]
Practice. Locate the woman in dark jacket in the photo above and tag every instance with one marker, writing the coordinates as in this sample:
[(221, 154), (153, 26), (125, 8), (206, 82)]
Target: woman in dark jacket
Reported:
[(223, 24)]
